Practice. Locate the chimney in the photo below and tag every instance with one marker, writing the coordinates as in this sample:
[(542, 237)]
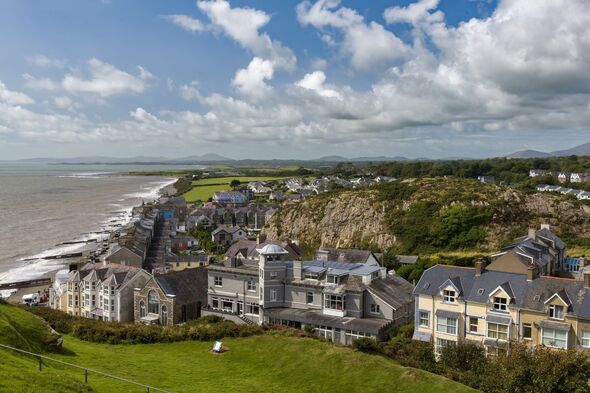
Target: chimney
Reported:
[(532, 232), (297, 269), (546, 226), (480, 266), (582, 262), (531, 274), (258, 238), (586, 279)]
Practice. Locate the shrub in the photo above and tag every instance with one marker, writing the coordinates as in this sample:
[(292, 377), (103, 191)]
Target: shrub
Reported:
[(365, 344)]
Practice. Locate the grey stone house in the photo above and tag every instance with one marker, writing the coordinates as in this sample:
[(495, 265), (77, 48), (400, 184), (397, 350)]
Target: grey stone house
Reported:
[(171, 298), (341, 301)]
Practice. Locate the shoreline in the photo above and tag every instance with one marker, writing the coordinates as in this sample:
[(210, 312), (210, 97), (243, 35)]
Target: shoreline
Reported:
[(84, 242)]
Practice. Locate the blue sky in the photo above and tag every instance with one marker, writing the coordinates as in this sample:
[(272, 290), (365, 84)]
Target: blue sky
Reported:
[(293, 79)]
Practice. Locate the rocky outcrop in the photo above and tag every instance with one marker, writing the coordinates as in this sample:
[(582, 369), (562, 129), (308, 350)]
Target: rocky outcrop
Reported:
[(343, 221)]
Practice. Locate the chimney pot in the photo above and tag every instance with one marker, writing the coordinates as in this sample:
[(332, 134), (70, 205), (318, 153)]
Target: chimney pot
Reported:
[(586, 279), (532, 232), (480, 266)]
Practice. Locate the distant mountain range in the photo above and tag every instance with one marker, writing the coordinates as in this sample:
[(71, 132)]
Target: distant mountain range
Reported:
[(360, 159), (208, 158), (580, 150)]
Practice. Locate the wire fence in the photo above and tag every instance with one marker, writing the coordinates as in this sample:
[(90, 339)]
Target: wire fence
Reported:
[(86, 370)]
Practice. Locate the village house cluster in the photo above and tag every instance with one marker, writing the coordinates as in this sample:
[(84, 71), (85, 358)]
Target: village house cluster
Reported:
[(562, 177), (530, 293), (579, 194)]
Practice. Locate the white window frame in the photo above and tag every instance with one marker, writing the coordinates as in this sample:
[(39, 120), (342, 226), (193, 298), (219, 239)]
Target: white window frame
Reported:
[(471, 324), (333, 279), (553, 308), (441, 343), (500, 303), (251, 285), (218, 281), (449, 296), (530, 326), (494, 328), (443, 325), (308, 297), (585, 338), (274, 295), (553, 338), (424, 318), (375, 309), (334, 300)]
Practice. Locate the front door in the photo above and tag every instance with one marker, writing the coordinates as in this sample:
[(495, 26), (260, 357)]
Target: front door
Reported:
[(240, 308)]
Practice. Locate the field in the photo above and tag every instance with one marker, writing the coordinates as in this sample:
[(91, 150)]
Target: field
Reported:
[(203, 189), (262, 364)]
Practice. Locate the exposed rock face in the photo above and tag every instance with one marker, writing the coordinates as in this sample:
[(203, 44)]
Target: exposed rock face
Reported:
[(355, 218), (333, 222)]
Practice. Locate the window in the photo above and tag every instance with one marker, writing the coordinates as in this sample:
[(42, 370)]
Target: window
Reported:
[(164, 315), (555, 312), (500, 303), (473, 323), (252, 285), (375, 309), (309, 299), (273, 295), (424, 318), (554, 338), (446, 325), (449, 296), (69, 300), (441, 344), (153, 305), (273, 275), (334, 302), (332, 279), (497, 331), (214, 302), (252, 308), (310, 275), (141, 309), (112, 304), (586, 338), (218, 281), (527, 331)]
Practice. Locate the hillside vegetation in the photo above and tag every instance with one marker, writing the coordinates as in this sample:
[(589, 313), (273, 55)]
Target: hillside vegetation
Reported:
[(265, 363), (429, 215)]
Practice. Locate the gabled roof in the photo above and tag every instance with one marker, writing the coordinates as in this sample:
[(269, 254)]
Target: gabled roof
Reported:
[(393, 290), (188, 286), (350, 255)]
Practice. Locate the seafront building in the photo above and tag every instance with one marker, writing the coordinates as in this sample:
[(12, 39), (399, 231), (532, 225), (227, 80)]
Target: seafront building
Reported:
[(341, 301), (530, 293)]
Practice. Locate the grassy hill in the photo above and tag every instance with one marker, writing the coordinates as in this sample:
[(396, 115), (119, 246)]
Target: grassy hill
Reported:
[(203, 189), (268, 363)]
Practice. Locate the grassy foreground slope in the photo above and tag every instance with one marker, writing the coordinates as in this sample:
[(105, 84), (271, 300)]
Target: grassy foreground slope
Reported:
[(262, 364)]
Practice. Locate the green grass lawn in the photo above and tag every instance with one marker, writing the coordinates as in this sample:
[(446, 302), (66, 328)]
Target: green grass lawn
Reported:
[(269, 363), (227, 180), (202, 193)]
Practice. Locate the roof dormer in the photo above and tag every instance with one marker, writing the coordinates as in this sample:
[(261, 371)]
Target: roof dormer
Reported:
[(451, 289), (501, 297)]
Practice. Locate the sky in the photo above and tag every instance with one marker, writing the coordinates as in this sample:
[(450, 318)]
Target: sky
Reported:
[(287, 79)]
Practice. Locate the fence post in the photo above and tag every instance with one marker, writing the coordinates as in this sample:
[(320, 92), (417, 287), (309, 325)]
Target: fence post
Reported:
[(40, 363), (86, 376)]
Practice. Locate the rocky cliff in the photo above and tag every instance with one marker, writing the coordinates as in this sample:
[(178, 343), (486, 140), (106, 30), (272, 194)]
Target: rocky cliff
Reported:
[(427, 214)]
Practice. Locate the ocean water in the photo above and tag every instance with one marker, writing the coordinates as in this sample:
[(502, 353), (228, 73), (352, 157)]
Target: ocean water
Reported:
[(42, 206)]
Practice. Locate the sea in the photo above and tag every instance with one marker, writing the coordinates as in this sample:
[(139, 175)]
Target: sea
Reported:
[(47, 209)]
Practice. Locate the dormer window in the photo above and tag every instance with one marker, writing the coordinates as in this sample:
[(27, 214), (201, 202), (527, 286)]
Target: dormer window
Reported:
[(449, 296), (555, 312), (500, 303), (310, 275), (333, 279)]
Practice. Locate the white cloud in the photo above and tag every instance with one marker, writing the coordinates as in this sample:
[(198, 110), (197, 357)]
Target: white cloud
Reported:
[(414, 13), (39, 83), (315, 82), (251, 81), (106, 80), (63, 102), (12, 97), (243, 25), (185, 22), (44, 61)]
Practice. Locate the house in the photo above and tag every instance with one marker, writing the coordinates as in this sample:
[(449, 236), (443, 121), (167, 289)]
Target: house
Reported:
[(585, 195), (339, 301), (58, 291), (230, 197), (182, 262), (507, 301), (542, 187), (104, 291), (130, 255), (407, 259), (182, 243), (223, 236), (295, 198), (579, 177), (202, 220), (171, 298), (486, 179), (539, 172), (563, 177), (385, 179), (249, 249), (174, 207), (348, 255)]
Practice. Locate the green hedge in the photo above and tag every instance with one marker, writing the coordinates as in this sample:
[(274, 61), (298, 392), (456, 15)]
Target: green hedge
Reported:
[(203, 329)]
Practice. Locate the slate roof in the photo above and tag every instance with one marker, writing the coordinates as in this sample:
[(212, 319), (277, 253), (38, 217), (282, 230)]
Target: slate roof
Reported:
[(407, 259), (249, 248), (393, 289), (113, 274), (344, 255), (530, 295), (188, 286)]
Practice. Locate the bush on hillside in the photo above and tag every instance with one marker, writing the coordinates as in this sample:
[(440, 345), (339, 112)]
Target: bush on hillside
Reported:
[(365, 344)]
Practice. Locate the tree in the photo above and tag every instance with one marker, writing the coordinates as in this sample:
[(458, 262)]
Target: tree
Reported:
[(235, 183)]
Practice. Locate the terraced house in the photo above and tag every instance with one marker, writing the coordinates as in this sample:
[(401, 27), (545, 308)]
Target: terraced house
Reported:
[(341, 301), (511, 300)]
